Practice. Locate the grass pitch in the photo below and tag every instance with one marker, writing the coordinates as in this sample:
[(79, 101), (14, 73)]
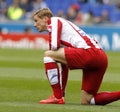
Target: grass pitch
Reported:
[(23, 83)]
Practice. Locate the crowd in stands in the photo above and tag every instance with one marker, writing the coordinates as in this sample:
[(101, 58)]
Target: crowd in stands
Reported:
[(79, 11)]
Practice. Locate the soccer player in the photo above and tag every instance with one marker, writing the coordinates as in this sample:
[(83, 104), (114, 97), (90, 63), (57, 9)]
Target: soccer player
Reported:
[(72, 48)]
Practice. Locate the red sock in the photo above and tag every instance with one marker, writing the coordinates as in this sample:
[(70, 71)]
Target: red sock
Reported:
[(52, 72), (104, 98), (57, 90), (64, 73)]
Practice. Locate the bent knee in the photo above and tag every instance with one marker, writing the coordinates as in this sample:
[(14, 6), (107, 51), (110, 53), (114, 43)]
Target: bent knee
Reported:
[(85, 98), (48, 53)]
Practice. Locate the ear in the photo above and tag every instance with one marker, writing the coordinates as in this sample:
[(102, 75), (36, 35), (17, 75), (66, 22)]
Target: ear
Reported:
[(46, 18)]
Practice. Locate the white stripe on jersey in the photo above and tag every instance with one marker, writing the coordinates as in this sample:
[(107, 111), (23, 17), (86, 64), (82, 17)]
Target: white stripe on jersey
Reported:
[(54, 33), (82, 34), (71, 34)]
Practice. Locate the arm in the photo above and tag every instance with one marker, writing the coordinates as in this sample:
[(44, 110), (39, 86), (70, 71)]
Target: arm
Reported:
[(55, 34)]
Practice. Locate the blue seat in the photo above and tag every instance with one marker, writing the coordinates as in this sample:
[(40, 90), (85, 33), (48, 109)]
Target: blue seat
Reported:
[(96, 9), (56, 5), (115, 16)]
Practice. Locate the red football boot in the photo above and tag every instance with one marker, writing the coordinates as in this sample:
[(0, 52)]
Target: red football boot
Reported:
[(53, 100)]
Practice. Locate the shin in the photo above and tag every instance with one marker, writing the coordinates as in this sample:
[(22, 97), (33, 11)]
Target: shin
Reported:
[(52, 72)]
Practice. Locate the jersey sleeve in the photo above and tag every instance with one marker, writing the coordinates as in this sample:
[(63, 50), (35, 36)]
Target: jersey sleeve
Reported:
[(55, 34)]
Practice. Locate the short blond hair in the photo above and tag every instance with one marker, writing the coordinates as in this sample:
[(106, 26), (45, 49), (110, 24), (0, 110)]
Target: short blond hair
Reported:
[(44, 12)]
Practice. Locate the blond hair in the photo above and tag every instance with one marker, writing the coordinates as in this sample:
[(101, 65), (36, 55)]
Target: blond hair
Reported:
[(44, 12)]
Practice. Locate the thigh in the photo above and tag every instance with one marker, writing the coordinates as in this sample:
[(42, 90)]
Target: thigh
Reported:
[(57, 55), (76, 58), (92, 79), (93, 76)]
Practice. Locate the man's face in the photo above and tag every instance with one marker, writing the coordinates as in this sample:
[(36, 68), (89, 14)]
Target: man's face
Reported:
[(40, 23)]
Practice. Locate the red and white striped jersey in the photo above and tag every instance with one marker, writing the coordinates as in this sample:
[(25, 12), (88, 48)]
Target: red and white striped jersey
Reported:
[(63, 33)]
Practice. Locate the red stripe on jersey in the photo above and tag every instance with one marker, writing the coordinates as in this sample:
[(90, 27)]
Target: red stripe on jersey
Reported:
[(49, 40), (49, 21), (49, 27), (66, 43), (59, 29), (87, 40)]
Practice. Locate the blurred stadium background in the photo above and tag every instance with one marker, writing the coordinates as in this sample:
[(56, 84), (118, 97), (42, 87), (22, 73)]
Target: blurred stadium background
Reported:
[(22, 79), (99, 18)]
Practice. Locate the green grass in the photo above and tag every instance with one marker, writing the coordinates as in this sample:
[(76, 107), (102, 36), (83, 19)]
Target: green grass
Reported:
[(23, 83)]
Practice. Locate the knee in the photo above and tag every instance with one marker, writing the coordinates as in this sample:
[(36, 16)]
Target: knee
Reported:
[(48, 53), (85, 98)]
